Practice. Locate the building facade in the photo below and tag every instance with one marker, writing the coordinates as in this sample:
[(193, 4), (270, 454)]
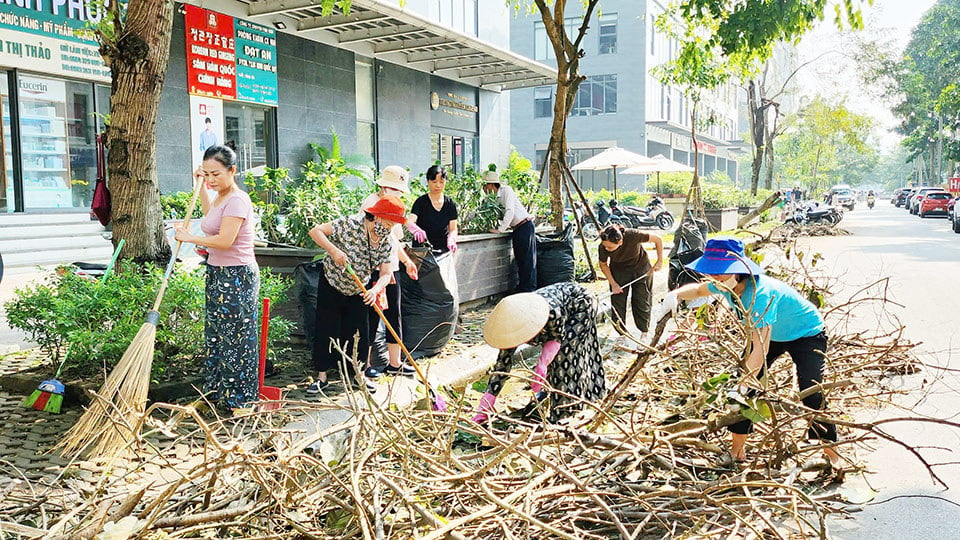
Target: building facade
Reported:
[(621, 103), (408, 83)]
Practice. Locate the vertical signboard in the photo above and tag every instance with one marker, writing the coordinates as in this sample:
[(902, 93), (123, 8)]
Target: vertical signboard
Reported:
[(211, 56), (256, 63), (954, 185), (206, 126), (52, 38), (229, 58)]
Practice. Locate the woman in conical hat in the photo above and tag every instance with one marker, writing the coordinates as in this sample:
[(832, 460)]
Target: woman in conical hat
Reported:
[(562, 318)]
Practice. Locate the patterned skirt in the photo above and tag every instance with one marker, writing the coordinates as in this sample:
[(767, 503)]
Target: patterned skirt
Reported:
[(231, 366)]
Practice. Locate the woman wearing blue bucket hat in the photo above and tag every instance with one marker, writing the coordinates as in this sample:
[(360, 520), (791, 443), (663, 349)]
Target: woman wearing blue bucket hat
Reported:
[(781, 319)]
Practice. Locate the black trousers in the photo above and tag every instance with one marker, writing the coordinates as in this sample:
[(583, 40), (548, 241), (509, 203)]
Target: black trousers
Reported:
[(641, 297), (525, 251), (392, 313), (340, 318), (808, 355)]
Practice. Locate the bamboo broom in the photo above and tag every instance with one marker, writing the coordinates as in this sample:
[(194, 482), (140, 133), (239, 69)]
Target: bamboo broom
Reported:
[(107, 426)]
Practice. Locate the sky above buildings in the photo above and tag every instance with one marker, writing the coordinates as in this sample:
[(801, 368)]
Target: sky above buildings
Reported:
[(834, 74)]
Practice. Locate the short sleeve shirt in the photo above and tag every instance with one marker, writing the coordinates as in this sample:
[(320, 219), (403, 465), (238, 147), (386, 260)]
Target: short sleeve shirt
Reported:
[(630, 255), (435, 223), (772, 303), (237, 204), (350, 236)]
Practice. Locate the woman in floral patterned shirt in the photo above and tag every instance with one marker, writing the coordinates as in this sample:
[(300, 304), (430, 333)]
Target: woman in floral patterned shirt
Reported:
[(364, 243)]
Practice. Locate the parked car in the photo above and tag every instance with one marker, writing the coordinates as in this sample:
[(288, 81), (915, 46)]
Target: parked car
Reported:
[(896, 196), (918, 195), (842, 195), (903, 197), (934, 202)]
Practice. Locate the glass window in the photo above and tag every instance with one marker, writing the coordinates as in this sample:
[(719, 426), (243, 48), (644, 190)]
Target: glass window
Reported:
[(542, 48), (470, 17), (597, 95), (366, 96), (46, 156), (608, 34), (543, 102), (6, 149)]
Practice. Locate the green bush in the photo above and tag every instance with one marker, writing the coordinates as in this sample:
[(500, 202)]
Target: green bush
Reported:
[(174, 205), (98, 321)]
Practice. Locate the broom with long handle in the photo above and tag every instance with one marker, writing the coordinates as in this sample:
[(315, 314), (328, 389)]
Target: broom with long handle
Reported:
[(106, 426), (438, 403)]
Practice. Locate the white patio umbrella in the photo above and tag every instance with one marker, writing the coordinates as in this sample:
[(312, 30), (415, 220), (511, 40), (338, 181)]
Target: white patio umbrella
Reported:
[(611, 158), (662, 164)]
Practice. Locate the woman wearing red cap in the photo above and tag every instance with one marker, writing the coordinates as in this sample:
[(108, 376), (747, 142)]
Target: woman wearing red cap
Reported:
[(780, 320), (365, 244)]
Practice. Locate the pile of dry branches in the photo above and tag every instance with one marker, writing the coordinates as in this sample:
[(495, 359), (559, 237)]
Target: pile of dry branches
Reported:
[(648, 462)]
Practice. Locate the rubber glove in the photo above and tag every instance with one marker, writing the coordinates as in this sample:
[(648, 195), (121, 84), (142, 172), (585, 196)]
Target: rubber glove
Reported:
[(669, 304), (484, 406), (547, 354), (452, 245), (419, 234)]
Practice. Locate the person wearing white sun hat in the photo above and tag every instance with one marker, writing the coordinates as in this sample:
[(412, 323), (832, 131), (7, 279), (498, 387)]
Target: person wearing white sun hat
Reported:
[(562, 318)]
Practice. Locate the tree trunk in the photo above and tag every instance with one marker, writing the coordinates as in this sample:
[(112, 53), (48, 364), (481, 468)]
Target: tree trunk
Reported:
[(138, 62), (558, 148), (758, 126), (768, 162), (771, 201)]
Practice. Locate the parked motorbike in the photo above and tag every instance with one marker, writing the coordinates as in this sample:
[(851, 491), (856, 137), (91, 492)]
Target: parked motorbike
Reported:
[(605, 217), (655, 214), (814, 213)]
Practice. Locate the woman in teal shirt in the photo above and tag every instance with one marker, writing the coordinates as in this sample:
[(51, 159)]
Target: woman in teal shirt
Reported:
[(781, 321)]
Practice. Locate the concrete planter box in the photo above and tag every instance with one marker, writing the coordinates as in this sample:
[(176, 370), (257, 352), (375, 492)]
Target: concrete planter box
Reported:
[(282, 260), (485, 266), (722, 219)]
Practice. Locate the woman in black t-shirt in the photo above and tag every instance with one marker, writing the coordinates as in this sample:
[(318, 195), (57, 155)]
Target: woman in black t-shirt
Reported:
[(436, 213), (623, 261)]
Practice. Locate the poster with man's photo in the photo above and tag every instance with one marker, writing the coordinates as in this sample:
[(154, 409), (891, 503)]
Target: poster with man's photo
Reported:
[(206, 126)]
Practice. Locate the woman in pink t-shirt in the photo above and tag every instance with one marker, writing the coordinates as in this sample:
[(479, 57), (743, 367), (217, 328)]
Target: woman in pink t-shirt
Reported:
[(233, 283)]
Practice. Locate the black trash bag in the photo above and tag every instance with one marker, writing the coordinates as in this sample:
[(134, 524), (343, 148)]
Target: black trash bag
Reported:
[(306, 279), (688, 245), (429, 306), (555, 263)]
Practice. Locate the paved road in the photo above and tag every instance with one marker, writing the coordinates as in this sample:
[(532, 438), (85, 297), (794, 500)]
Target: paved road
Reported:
[(922, 259)]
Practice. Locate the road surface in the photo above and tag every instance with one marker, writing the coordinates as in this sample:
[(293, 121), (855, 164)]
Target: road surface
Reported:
[(922, 259)]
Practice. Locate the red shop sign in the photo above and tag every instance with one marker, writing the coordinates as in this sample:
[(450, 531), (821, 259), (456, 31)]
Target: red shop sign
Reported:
[(211, 53), (954, 185)]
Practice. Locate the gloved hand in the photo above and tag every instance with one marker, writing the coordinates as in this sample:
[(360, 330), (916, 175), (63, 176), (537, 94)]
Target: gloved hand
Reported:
[(419, 234), (669, 304), (452, 245), (547, 354), (483, 407)]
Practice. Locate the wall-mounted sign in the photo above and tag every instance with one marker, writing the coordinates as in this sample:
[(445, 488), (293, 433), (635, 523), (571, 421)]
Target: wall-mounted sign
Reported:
[(230, 58), (954, 185), (52, 38), (453, 105), (706, 148)]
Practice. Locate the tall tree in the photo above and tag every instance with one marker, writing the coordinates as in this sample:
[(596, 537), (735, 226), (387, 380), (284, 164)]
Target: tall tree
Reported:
[(722, 39), (568, 51), (134, 41), (828, 144)]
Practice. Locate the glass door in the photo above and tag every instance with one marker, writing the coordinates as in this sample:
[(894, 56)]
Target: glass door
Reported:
[(248, 127), (6, 148), (43, 131)]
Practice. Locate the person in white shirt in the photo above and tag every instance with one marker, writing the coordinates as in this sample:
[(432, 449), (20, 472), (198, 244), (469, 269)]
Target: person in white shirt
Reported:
[(523, 233)]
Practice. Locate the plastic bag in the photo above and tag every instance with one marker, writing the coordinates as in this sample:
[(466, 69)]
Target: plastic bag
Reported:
[(555, 263), (429, 306)]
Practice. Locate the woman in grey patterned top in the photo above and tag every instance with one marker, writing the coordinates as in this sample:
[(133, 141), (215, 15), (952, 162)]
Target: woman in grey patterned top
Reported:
[(365, 244)]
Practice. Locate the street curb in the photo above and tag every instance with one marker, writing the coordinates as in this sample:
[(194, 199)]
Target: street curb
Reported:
[(75, 392)]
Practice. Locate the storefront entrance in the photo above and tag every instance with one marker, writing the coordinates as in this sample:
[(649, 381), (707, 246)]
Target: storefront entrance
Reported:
[(250, 127), (49, 130)]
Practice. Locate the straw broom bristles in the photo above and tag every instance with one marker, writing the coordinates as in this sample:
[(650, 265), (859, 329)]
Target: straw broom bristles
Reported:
[(105, 429)]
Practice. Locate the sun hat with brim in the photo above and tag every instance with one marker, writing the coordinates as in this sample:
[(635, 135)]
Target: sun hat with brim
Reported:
[(724, 256), (516, 319), (389, 208), (491, 177), (394, 177)]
